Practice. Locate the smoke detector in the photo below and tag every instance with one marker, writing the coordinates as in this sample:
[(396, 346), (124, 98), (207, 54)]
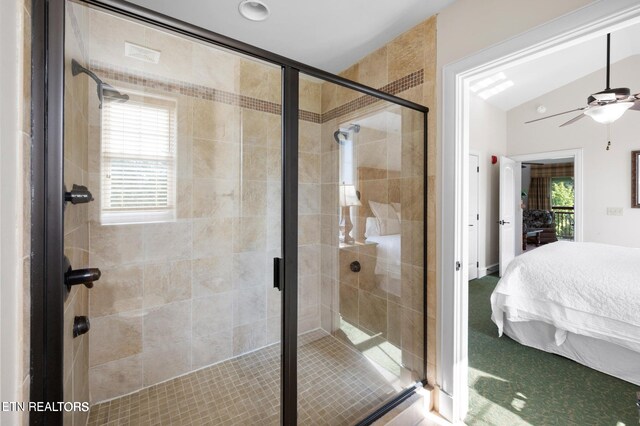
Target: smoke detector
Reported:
[(254, 10), (141, 53)]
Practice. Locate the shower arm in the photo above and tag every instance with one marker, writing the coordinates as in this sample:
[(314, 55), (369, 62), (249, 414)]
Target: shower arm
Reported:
[(76, 69)]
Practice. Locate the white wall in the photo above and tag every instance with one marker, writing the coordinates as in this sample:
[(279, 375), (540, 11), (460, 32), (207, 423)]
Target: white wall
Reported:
[(487, 137), (607, 174)]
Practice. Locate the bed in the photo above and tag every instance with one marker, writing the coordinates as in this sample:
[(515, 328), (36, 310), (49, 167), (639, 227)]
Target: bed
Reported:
[(578, 300)]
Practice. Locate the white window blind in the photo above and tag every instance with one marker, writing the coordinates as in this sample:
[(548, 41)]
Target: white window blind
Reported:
[(138, 176)]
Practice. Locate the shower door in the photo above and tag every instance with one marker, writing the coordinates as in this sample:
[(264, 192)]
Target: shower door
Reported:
[(179, 143), (361, 286)]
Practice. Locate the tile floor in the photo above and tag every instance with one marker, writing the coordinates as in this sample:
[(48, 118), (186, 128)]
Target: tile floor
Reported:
[(337, 386)]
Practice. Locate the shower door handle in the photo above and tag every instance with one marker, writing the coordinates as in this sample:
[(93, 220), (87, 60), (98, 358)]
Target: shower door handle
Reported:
[(277, 273)]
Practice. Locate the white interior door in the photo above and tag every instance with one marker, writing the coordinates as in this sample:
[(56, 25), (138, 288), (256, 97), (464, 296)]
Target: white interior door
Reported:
[(473, 216), (510, 211)]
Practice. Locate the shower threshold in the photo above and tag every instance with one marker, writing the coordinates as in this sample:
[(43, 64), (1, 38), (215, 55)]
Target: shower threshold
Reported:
[(337, 386)]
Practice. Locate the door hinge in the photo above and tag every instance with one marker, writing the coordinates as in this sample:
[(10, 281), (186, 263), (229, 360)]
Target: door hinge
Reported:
[(478, 217), (477, 264), (458, 265), (478, 169)]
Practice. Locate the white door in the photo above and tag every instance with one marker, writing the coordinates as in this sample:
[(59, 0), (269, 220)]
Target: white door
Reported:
[(474, 172), (510, 211)]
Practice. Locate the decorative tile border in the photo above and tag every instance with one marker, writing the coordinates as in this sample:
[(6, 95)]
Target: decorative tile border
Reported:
[(156, 82), (407, 82)]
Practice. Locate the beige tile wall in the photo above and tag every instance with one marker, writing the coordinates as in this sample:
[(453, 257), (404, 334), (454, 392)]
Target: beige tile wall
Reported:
[(26, 207), (175, 297), (76, 226), (410, 52)]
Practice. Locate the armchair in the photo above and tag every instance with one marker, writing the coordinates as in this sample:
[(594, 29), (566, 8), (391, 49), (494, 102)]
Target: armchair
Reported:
[(540, 219)]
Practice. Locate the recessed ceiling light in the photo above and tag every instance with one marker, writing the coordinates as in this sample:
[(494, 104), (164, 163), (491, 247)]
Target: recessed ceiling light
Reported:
[(254, 10)]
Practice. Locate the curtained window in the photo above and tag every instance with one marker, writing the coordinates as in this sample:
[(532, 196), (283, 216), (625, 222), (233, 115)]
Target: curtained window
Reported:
[(539, 193)]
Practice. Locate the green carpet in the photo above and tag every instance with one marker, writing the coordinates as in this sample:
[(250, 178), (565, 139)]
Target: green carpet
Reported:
[(512, 384)]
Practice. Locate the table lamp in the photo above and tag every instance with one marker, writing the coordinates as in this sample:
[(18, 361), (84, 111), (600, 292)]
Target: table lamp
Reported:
[(348, 197)]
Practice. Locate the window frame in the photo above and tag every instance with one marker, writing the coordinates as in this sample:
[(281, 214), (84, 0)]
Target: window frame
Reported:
[(142, 215)]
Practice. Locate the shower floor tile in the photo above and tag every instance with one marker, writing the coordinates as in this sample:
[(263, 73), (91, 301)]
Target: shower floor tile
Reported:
[(336, 384)]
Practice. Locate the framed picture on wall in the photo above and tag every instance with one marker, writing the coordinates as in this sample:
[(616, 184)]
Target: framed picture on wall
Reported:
[(635, 180)]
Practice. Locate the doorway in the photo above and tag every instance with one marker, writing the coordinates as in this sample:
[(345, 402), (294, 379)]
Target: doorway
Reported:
[(591, 21)]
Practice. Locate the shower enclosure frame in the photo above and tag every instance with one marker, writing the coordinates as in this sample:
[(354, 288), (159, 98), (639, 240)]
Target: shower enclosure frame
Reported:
[(47, 235)]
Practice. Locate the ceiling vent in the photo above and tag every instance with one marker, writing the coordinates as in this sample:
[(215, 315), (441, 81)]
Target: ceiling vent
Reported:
[(141, 53)]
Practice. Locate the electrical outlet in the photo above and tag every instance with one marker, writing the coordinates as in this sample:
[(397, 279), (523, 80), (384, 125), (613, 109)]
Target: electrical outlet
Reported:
[(614, 211)]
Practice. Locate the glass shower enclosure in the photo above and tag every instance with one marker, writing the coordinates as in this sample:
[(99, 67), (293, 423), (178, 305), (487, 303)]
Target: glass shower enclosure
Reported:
[(242, 237)]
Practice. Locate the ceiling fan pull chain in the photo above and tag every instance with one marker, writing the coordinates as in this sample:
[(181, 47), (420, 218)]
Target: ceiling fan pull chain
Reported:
[(608, 136)]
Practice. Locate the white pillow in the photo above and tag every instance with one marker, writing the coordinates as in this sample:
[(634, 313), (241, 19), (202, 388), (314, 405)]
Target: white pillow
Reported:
[(387, 218), (372, 228), (396, 207)]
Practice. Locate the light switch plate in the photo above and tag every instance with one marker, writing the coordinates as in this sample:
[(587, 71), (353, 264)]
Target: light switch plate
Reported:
[(614, 211)]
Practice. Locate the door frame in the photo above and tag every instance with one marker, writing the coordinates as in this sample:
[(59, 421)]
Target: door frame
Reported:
[(588, 22), (47, 294), (578, 183)]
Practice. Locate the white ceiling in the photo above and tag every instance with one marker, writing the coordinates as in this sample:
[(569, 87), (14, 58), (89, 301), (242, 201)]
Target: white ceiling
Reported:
[(328, 34), (554, 70)]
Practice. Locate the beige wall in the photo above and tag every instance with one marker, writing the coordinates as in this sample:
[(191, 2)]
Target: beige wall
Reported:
[(607, 174), (26, 196), (15, 146)]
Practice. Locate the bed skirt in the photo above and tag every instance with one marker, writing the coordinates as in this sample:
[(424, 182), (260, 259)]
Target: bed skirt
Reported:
[(600, 355)]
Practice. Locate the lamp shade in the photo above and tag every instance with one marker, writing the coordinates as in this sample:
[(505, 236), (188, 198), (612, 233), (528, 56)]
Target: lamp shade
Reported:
[(348, 196), (607, 114)]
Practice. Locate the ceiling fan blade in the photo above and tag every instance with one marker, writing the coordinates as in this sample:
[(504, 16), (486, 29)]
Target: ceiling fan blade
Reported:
[(555, 115), (636, 106), (573, 120)]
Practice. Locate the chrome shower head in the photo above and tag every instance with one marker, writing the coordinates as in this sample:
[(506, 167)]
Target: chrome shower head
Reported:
[(108, 91), (342, 135)]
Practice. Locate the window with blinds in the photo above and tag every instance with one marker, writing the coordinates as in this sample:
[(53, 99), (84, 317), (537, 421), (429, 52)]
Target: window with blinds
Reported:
[(138, 158)]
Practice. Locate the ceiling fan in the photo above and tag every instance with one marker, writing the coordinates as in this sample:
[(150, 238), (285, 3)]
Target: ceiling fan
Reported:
[(525, 165), (604, 107)]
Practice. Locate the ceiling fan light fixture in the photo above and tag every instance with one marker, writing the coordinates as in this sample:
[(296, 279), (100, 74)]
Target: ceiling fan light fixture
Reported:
[(607, 114), (254, 10)]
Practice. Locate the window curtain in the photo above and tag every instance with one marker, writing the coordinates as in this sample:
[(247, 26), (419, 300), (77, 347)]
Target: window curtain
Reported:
[(539, 194)]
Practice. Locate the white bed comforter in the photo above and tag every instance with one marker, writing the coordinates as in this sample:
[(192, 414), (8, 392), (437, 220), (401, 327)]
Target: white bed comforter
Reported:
[(388, 254), (584, 288)]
